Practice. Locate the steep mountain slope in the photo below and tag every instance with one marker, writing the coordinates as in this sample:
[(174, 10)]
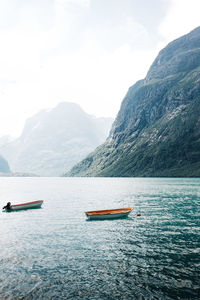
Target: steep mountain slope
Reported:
[(54, 140), (157, 130)]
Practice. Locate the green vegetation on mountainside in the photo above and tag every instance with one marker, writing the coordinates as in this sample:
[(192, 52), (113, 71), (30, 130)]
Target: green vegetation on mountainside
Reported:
[(157, 130)]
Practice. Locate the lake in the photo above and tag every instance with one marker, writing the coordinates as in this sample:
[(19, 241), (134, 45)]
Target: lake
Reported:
[(55, 253)]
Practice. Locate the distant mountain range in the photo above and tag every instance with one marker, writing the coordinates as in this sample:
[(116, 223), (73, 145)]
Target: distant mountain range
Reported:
[(157, 130), (4, 167), (54, 140)]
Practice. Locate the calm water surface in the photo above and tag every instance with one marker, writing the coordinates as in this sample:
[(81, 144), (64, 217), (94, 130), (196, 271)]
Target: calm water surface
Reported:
[(54, 253)]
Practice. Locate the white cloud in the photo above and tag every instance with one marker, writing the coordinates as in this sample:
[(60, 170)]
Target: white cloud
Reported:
[(182, 17), (63, 50)]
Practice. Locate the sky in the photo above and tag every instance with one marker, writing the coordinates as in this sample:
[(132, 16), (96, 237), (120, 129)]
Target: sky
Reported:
[(83, 51)]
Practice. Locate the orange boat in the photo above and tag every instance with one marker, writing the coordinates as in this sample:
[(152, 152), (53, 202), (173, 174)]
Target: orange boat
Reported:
[(108, 213)]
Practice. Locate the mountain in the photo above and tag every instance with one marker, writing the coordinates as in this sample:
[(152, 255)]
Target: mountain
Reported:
[(54, 140), (4, 167), (5, 140), (157, 130)]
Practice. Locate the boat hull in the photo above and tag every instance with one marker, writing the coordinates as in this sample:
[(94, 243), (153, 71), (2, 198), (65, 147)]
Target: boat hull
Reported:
[(108, 214), (28, 205)]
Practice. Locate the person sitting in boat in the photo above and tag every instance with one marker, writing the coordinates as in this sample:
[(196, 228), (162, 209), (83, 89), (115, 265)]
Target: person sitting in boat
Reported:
[(7, 206)]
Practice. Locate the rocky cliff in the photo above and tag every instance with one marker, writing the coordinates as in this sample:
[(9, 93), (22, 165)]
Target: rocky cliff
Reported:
[(157, 130)]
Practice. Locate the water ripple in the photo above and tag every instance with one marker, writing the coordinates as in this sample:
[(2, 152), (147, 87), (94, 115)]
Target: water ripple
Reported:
[(54, 253)]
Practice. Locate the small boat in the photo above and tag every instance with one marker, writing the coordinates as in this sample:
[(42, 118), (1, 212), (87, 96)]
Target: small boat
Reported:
[(108, 214), (27, 205)]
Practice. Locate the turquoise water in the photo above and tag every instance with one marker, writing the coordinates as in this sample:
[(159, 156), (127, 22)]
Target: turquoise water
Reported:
[(55, 253)]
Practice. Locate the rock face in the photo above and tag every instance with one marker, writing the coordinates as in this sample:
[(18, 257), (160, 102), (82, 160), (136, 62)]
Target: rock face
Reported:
[(54, 140), (157, 130)]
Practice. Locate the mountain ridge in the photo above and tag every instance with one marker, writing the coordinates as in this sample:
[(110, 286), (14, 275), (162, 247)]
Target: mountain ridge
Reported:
[(156, 132), (55, 139)]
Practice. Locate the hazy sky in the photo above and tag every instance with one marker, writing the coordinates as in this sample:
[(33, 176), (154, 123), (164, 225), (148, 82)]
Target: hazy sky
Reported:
[(84, 51)]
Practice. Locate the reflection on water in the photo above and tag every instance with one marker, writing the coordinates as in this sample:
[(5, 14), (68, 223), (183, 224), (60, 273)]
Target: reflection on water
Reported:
[(54, 253)]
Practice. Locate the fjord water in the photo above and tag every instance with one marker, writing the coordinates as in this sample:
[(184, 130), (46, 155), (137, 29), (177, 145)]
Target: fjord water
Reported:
[(55, 253)]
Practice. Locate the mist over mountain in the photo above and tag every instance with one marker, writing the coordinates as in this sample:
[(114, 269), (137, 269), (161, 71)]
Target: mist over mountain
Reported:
[(157, 130), (54, 140), (5, 140), (4, 166)]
